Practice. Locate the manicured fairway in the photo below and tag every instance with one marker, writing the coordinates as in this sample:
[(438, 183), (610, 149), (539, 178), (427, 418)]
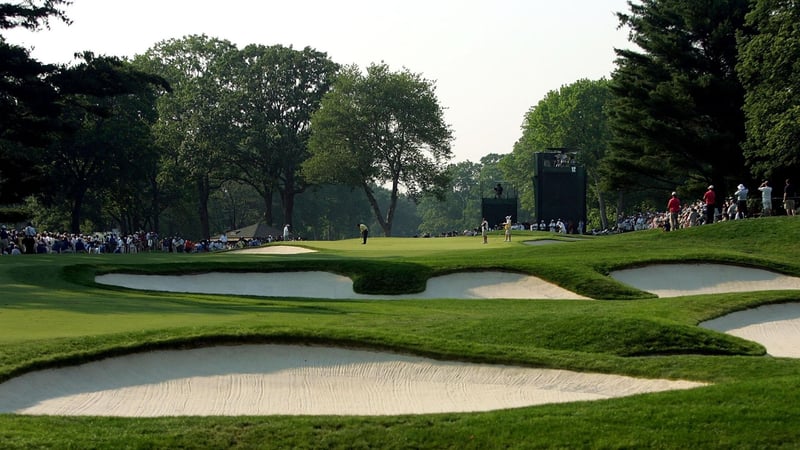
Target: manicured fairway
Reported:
[(53, 314)]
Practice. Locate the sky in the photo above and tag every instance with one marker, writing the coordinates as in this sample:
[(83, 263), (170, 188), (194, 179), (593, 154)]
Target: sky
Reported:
[(491, 61)]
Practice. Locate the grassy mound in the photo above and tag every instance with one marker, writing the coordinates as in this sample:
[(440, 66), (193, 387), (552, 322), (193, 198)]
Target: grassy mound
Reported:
[(52, 313)]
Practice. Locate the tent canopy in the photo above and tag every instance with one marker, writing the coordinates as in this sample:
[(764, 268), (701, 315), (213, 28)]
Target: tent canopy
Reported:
[(257, 230)]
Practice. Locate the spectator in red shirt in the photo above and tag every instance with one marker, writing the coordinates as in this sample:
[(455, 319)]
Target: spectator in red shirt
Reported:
[(710, 199), (674, 208)]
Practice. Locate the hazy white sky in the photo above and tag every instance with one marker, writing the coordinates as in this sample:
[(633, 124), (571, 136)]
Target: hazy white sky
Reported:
[(491, 60)]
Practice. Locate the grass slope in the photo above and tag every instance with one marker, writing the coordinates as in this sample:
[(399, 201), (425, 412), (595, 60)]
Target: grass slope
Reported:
[(52, 314)]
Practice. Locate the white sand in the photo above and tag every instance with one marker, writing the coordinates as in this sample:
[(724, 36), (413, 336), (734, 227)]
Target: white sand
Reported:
[(776, 327), (275, 250), (316, 284), (675, 280), (300, 380)]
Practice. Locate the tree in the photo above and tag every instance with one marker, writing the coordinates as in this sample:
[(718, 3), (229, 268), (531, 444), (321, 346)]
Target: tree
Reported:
[(106, 112), (196, 124), (32, 14), (134, 197), (768, 70), (573, 117), (382, 128), (677, 113), (28, 101), (460, 209), (278, 88)]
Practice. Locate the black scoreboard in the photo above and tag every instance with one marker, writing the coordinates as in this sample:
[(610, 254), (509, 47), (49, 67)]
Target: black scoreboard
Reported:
[(559, 185)]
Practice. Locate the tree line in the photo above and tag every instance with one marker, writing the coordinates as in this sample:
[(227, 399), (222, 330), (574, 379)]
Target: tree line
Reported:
[(705, 95), (197, 135)]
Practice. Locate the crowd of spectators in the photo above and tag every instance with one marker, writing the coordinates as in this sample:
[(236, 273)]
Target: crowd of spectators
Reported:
[(691, 215), (28, 240)]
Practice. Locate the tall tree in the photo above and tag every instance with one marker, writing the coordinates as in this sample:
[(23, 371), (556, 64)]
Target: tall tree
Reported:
[(385, 128), (769, 70), (329, 212), (134, 197), (573, 117), (104, 132), (278, 88), (196, 123), (460, 209), (677, 115), (28, 101)]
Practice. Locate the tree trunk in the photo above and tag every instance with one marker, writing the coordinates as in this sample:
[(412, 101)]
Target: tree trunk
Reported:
[(203, 192), (601, 203), (620, 205), (392, 208), (288, 193), (267, 198), (155, 209), (387, 227), (287, 202), (75, 214)]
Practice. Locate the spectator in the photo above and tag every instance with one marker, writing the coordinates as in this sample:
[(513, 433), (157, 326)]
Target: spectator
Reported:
[(4, 240), (29, 241), (498, 191), (789, 194), (710, 200), (674, 209), (766, 198), (741, 201)]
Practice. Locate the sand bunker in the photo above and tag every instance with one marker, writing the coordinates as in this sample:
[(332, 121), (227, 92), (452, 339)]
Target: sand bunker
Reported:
[(675, 280), (300, 380), (276, 250), (316, 284), (776, 327)]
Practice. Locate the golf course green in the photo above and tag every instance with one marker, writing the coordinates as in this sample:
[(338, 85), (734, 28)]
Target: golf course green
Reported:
[(54, 314)]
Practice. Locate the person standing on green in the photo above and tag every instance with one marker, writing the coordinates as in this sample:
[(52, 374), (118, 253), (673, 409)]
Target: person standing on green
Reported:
[(364, 232)]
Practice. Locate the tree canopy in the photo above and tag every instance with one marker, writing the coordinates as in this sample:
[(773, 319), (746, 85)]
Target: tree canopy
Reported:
[(380, 128), (573, 117), (106, 113), (29, 104), (32, 14), (770, 72), (196, 120), (677, 114), (277, 89)]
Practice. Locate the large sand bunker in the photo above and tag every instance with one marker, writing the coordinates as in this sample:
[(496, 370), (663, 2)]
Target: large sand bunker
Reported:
[(675, 280), (316, 284), (300, 380), (275, 250), (776, 327)]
